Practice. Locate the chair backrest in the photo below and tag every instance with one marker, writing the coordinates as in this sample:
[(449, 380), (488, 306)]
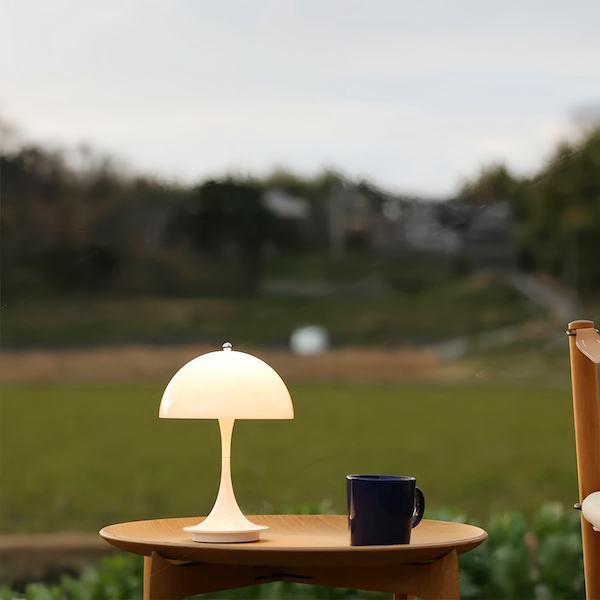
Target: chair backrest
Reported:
[(584, 351)]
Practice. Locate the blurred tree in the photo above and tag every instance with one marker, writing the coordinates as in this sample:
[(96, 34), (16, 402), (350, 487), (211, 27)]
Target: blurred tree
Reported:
[(558, 215), (93, 228), (557, 211), (231, 223), (64, 229), (493, 183)]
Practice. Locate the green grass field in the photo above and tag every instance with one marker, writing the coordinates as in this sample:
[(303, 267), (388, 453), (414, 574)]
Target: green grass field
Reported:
[(77, 457), (477, 304)]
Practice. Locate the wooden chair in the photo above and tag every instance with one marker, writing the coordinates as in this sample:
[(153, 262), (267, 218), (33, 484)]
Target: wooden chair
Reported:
[(584, 351)]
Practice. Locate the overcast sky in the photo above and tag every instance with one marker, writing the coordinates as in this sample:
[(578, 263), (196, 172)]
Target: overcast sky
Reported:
[(412, 95)]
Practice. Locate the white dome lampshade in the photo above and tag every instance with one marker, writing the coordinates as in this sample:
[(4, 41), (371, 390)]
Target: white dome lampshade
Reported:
[(226, 385)]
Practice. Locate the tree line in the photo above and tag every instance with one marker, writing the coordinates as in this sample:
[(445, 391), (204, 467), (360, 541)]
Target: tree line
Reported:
[(556, 210), (95, 229)]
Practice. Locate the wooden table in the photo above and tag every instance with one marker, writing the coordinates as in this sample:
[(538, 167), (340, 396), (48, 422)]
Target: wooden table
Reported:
[(310, 549)]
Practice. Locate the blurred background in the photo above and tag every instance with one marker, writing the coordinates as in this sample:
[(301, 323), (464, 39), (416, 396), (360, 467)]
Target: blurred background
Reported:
[(396, 205)]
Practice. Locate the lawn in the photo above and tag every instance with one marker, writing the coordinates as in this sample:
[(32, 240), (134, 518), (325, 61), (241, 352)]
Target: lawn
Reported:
[(77, 457), (392, 318)]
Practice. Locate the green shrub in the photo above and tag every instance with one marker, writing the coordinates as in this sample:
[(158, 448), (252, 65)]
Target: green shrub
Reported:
[(117, 577), (543, 561)]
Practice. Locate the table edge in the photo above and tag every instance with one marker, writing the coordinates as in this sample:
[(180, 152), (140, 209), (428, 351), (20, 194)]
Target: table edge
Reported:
[(461, 545)]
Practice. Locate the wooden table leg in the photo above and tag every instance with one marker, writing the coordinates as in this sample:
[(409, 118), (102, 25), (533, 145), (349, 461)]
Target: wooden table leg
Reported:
[(173, 580), (436, 580), (439, 579), (447, 577)]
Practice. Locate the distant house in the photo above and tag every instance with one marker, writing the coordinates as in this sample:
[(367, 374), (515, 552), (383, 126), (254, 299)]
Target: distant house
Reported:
[(489, 239), (285, 206), (352, 217), (349, 215), (425, 231), (365, 218), (484, 235)]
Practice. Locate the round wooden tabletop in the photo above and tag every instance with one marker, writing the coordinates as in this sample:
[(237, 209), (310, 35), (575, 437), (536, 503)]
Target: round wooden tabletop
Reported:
[(292, 540)]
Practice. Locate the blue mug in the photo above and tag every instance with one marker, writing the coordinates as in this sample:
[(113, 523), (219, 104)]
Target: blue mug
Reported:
[(383, 509)]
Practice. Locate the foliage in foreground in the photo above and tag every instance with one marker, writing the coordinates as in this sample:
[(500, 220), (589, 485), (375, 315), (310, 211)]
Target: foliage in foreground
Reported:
[(542, 560)]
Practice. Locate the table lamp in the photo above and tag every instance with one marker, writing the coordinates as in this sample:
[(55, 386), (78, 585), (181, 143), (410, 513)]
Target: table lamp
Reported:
[(226, 385)]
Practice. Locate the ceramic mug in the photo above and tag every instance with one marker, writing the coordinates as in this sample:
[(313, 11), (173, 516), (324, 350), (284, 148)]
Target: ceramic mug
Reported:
[(383, 509)]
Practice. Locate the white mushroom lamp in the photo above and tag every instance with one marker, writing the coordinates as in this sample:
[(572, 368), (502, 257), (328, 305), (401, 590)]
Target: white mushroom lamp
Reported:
[(226, 385)]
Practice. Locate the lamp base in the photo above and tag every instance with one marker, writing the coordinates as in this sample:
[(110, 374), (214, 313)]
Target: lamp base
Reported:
[(250, 534)]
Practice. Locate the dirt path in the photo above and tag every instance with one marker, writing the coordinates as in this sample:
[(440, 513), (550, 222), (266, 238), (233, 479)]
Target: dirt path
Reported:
[(25, 558), (159, 363)]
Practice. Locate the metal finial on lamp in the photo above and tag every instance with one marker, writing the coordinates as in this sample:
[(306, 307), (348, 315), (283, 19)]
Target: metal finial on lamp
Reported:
[(226, 385)]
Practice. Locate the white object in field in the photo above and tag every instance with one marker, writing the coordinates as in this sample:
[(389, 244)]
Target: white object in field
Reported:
[(226, 385), (590, 508), (308, 340)]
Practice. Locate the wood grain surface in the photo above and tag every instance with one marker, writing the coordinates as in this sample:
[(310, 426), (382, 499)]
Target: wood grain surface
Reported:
[(586, 414), (292, 540)]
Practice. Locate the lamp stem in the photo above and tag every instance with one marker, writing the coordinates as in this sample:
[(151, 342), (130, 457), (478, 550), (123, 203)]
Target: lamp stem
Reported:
[(226, 513), (226, 522), (226, 428), (226, 505)]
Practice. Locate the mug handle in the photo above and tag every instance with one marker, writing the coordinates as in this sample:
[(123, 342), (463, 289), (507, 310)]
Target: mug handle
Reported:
[(420, 507)]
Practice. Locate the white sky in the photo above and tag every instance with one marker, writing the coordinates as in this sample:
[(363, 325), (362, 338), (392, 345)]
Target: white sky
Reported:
[(415, 95)]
